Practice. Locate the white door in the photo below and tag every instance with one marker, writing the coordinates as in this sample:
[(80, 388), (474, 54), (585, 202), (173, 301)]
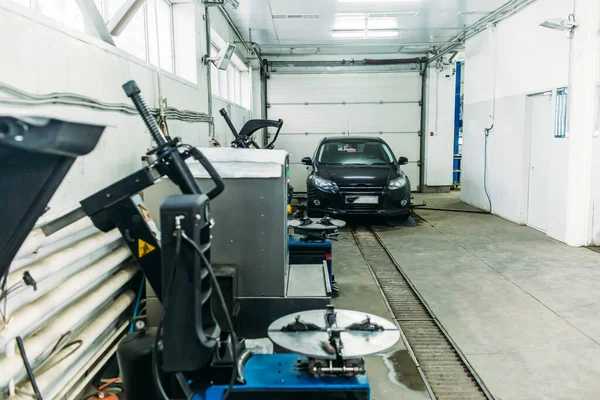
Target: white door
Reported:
[(314, 106), (541, 118)]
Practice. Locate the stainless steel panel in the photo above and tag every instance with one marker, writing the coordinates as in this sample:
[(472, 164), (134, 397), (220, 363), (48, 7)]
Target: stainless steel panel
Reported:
[(250, 230), (306, 280)]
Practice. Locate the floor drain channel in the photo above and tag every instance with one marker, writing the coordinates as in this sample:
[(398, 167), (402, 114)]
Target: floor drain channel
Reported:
[(447, 374)]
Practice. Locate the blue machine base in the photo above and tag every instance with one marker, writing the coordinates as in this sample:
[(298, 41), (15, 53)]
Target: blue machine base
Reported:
[(274, 376)]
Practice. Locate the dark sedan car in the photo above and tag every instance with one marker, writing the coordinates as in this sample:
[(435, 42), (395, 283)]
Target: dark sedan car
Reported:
[(357, 175)]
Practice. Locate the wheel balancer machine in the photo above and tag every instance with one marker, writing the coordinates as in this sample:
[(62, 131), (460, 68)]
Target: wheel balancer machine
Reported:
[(190, 355)]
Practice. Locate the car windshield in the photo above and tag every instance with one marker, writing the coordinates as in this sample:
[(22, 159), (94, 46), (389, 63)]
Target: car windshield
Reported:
[(355, 152)]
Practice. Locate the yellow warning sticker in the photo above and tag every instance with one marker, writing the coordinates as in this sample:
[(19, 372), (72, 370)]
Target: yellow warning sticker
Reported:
[(144, 248)]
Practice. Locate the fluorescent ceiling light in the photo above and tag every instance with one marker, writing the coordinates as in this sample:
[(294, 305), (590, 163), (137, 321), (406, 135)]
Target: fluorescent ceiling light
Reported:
[(374, 1), (348, 34), (382, 23), (381, 34), (350, 22), (295, 16), (394, 14)]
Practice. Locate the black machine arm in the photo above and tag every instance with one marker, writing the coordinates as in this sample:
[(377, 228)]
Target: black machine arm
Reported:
[(119, 205), (35, 154), (244, 139)]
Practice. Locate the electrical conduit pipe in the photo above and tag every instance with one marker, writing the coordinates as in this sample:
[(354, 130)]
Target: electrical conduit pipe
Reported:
[(44, 339), (26, 318)]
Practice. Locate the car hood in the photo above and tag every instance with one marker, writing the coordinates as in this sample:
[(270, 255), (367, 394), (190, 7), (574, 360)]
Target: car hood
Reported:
[(360, 175)]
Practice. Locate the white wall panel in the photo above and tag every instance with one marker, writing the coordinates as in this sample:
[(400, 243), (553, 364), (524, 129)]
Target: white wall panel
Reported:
[(517, 59), (355, 118), (381, 104), (368, 87)]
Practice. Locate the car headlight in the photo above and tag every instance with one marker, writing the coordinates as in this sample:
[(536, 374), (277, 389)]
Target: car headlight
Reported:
[(323, 184), (398, 183)]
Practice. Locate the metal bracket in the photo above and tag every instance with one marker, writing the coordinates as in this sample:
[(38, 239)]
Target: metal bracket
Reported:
[(94, 23), (123, 16)]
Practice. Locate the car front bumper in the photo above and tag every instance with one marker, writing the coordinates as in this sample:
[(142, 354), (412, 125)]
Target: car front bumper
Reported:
[(390, 203)]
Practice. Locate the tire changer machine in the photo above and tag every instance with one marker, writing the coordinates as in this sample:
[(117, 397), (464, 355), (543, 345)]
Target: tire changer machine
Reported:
[(191, 354), (313, 246)]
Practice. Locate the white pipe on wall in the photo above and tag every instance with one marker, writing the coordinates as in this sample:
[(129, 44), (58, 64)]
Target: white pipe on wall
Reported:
[(25, 294), (63, 359), (40, 270), (73, 389), (37, 239), (44, 339), (33, 314), (52, 248)]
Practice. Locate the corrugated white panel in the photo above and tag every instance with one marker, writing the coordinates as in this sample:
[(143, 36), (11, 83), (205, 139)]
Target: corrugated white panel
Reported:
[(367, 87), (314, 106), (75, 281), (335, 119)]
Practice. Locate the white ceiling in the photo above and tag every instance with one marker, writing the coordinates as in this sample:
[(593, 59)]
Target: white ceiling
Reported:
[(415, 24)]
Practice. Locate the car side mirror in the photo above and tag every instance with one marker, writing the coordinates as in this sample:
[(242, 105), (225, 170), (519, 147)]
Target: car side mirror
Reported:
[(403, 161), (307, 161)]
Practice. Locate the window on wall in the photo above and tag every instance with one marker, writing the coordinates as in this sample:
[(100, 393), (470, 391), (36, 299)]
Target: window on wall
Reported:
[(149, 35), (161, 47), (65, 11)]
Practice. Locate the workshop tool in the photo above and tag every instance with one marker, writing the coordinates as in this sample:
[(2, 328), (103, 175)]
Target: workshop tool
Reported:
[(190, 354), (244, 139), (35, 153)]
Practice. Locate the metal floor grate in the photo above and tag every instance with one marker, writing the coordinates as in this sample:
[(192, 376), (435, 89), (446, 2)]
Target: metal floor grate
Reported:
[(445, 370)]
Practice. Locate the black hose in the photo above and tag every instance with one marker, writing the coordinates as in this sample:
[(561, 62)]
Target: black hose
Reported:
[(219, 184), (155, 371), (451, 210), (234, 339), (36, 389)]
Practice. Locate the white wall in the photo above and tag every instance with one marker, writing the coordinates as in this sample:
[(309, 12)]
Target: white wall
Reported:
[(439, 131), (46, 56), (518, 58)]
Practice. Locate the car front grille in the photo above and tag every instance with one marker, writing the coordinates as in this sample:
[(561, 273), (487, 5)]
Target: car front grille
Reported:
[(361, 190), (361, 208)]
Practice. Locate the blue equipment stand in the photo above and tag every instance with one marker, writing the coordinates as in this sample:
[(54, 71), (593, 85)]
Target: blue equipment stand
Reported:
[(277, 377)]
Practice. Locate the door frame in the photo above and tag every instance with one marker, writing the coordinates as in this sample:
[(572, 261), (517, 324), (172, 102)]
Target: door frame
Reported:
[(528, 148)]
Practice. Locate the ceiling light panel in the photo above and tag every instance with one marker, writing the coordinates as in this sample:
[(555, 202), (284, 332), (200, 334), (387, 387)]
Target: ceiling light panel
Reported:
[(382, 23), (378, 1), (348, 22), (381, 34), (348, 34), (296, 16), (393, 14)]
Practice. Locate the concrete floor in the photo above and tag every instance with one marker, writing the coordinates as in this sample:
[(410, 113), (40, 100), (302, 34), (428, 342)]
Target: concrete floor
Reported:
[(392, 376), (523, 308)]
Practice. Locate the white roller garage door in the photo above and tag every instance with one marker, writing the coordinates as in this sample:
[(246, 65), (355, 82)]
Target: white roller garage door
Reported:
[(314, 106)]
